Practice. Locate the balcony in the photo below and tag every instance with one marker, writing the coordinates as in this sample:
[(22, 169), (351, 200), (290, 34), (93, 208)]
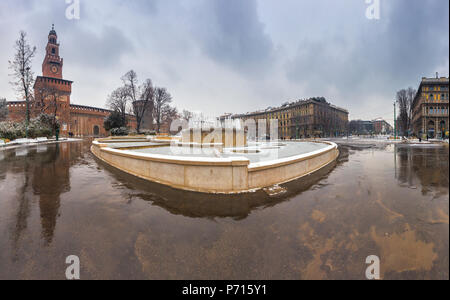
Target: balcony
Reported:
[(436, 115)]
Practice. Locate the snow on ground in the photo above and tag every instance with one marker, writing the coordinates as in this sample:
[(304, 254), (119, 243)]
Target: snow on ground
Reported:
[(31, 142)]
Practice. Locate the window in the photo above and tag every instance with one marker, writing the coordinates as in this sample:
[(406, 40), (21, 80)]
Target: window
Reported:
[(53, 50)]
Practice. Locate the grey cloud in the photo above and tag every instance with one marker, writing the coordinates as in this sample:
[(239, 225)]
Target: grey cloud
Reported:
[(324, 62), (418, 35), (97, 50), (147, 7), (408, 42), (231, 32)]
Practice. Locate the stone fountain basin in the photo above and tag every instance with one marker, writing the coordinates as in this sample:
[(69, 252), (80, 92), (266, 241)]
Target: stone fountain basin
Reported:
[(231, 173)]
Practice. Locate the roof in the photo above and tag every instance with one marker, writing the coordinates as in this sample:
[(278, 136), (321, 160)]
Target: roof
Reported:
[(84, 107), (15, 102), (435, 80), (91, 108)]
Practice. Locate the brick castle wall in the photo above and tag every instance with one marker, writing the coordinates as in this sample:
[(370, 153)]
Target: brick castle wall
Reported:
[(82, 120)]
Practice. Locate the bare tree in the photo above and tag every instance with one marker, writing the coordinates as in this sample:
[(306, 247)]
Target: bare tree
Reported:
[(405, 98), (402, 100), (145, 103), (130, 82), (3, 109), (118, 102), (21, 68), (47, 97), (187, 115), (411, 94), (141, 97), (169, 115), (162, 103)]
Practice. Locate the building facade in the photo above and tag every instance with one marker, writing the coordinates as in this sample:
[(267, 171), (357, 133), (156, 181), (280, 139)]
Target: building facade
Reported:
[(380, 126), (360, 127), (430, 115), (314, 117), (52, 96), (377, 126)]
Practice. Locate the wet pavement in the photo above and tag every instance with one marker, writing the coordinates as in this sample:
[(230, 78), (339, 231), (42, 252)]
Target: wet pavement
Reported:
[(391, 201)]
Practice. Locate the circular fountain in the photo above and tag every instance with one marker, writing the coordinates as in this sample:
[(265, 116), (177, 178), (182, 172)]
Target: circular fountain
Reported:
[(215, 160)]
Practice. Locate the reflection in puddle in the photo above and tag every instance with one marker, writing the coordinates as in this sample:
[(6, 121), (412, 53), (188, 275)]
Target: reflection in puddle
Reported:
[(21, 151), (41, 148), (388, 201)]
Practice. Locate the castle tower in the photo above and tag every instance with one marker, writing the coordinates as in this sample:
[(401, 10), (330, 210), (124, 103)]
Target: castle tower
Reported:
[(53, 63), (52, 92)]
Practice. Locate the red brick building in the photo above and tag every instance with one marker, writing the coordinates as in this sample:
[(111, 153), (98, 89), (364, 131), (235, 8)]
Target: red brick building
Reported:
[(52, 96)]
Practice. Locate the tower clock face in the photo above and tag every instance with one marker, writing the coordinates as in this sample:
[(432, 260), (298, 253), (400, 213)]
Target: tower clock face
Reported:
[(54, 69)]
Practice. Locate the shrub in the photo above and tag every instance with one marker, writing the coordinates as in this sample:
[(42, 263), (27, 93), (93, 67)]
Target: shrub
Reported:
[(8, 130), (114, 120), (148, 132), (48, 121), (122, 131), (41, 126)]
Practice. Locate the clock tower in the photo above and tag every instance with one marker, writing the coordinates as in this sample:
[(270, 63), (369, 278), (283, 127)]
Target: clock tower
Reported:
[(53, 63), (51, 91)]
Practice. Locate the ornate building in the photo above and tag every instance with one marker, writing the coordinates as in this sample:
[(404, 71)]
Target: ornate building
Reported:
[(52, 96), (314, 117), (430, 108)]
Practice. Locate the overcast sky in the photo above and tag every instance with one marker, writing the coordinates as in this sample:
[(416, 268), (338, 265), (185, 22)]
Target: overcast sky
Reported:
[(220, 56)]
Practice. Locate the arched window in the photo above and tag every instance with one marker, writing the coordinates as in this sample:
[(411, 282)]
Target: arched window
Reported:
[(96, 130)]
